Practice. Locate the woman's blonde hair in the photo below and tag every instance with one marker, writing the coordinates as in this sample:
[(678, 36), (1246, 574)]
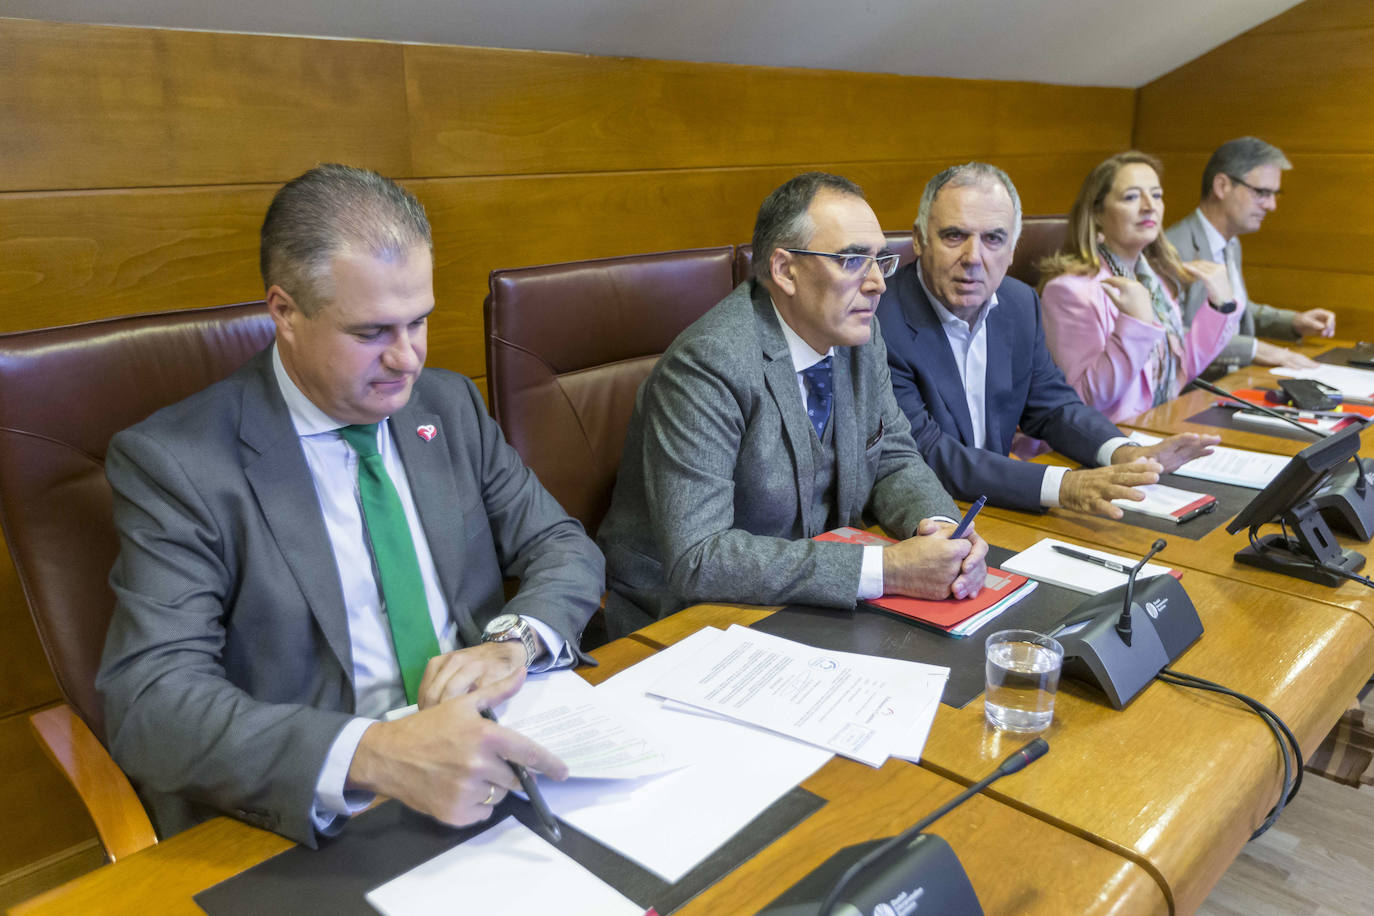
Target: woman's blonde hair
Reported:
[(1079, 254)]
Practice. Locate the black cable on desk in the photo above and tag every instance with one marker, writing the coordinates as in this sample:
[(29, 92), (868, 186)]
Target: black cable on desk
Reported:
[(1288, 744)]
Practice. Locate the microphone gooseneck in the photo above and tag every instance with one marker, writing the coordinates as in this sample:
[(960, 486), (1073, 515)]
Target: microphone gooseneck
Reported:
[(1123, 624)]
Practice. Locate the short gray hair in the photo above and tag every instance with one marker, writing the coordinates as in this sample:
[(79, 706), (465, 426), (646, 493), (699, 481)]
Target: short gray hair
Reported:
[(783, 220), (326, 212), (970, 174), (1235, 158)]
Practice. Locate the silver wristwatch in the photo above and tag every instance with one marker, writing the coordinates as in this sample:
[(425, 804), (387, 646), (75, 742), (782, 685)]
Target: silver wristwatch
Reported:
[(509, 627)]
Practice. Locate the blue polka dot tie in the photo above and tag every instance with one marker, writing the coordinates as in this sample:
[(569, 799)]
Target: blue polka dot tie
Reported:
[(819, 394)]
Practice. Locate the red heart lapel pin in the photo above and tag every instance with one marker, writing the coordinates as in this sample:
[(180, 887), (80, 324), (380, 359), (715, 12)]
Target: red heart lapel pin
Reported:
[(427, 431)]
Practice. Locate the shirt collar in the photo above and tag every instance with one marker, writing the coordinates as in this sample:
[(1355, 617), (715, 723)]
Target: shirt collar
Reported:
[(948, 318), (1214, 239), (803, 357), (308, 419)]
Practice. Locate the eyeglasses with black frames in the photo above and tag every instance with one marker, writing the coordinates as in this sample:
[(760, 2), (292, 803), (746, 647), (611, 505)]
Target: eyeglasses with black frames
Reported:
[(855, 265), (1261, 193)]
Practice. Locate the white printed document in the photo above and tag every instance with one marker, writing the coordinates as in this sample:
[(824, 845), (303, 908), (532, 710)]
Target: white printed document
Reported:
[(856, 705), (1041, 561), (595, 736), (670, 823), (505, 869), (1236, 466)]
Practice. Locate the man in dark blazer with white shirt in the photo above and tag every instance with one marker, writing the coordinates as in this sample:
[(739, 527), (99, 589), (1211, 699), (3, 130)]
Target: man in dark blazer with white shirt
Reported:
[(255, 645), (771, 420), (969, 363)]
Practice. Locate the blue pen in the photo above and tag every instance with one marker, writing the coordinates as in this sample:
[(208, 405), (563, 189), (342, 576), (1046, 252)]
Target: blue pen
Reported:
[(966, 522)]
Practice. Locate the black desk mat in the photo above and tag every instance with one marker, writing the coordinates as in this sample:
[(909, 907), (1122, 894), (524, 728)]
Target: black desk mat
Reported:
[(875, 633), (1230, 500), (1224, 418), (1340, 356), (391, 839)]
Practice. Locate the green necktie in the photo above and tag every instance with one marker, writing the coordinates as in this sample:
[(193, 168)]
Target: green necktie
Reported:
[(403, 591)]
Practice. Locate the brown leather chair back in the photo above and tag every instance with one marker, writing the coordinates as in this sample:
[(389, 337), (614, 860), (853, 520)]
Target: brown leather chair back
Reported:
[(568, 345), (899, 242), (1041, 236), (64, 392)]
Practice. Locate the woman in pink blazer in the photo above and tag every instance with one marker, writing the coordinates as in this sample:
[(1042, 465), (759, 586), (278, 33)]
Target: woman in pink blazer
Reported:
[(1109, 298)]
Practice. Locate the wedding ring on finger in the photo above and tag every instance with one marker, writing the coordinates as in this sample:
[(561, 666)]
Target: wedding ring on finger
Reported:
[(491, 795)]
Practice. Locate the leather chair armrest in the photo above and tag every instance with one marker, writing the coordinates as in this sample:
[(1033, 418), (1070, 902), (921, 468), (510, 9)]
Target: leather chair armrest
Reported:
[(119, 816)]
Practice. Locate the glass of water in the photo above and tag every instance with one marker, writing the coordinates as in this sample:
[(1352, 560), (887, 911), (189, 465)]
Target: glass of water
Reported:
[(1022, 676)]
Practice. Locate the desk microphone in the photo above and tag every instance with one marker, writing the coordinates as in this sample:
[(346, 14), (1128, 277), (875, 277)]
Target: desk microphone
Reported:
[(1120, 639), (1347, 505), (908, 872), (1123, 624)]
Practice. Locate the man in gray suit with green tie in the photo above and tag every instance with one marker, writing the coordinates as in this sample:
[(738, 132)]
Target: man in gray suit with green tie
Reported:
[(322, 538), (1240, 186), (771, 420)]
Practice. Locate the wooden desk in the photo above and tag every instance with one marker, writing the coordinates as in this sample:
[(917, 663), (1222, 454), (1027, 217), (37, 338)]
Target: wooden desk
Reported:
[(1215, 551), (1178, 780), (1018, 863)]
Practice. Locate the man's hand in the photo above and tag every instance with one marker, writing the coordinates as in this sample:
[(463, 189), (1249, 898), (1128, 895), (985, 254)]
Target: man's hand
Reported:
[(1267, 354), (447, 761), (456, 673), (1215, 279), (1315, 323), (1171, 453), (1131, 297), (932, 565), (1093, 489)]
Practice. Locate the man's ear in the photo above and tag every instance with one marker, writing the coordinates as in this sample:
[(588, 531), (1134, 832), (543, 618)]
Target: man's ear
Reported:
[(782, 271), (916, 245), (1221, 183), (284, 310)]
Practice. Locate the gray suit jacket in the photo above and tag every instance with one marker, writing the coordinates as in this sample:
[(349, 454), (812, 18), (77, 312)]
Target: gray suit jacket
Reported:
[(227, 670), (712, 502), (1190, 239)]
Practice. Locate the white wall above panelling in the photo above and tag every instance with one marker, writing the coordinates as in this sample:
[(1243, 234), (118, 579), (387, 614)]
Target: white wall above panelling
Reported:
[(1076, 42)]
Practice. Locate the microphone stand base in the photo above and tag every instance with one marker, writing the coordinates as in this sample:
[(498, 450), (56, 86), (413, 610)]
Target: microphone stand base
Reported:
[(924, 876), (1279, 555)]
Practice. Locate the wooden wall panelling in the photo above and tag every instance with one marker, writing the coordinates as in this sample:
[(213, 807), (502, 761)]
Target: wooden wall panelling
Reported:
[(1304, 81), (74, 256), (104, 106), (483, 111)]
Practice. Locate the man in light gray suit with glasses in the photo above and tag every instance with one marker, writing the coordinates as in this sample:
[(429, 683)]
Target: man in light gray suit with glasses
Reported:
[(1240, 187), (771, 420)]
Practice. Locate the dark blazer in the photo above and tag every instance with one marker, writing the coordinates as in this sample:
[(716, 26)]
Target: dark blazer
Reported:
[(1024, 388), (713, 499), (228, 671)]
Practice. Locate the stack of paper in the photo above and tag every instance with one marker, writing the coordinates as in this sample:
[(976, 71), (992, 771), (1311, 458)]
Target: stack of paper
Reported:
[(1236, 466), (1169, 503), (1041, 562), (864, 707), (1353, 383)]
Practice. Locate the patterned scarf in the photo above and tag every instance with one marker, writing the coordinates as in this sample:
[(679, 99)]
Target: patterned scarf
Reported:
[(1167, 360)]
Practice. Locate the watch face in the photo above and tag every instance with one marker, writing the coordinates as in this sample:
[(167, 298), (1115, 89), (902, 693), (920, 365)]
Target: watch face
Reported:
[(502, 624)]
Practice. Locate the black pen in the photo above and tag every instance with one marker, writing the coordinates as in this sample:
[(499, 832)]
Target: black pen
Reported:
[(541, 807), (1089, 558), (966, 522)]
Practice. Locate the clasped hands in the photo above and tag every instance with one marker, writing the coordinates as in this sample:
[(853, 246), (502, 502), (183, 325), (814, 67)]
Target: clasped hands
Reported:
[(1093, 489), (446, 760), (931, 564)]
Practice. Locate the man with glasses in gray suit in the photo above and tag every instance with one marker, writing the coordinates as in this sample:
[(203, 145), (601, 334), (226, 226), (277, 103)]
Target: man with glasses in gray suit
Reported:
[(1240, 187), (771, 420)]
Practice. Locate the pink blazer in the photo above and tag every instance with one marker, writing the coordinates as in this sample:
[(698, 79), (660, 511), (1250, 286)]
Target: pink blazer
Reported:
[(1105, 354)]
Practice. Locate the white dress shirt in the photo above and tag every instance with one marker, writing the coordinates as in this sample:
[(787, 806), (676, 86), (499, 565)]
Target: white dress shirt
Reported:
[(377, 682), (1223, 252), (969, 344)]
